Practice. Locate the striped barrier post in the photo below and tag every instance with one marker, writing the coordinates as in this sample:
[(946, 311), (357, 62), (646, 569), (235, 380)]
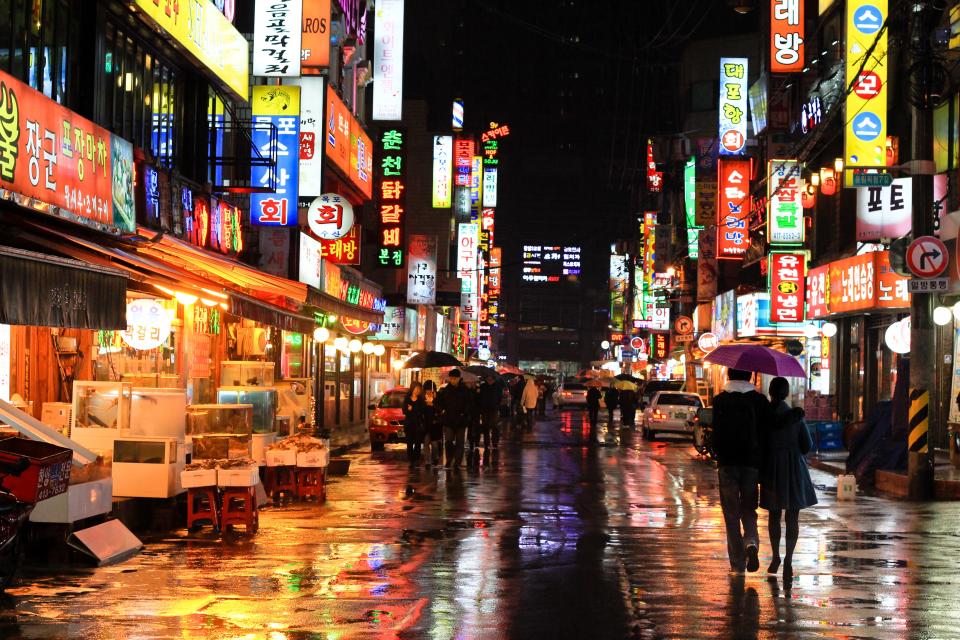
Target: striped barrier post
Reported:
[(919, 421)]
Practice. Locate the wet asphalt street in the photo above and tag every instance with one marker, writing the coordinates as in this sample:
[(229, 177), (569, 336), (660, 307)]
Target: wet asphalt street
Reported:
[(557, 540)]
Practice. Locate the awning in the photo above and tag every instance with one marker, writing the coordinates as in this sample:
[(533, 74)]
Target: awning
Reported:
[(37, 289)]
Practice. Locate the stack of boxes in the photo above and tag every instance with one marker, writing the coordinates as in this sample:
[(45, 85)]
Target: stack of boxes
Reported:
[(827, 433)]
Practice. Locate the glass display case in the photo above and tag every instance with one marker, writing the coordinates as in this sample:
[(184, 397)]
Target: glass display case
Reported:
[(242, 373), (100, 413), (263, 399), (220, 430), (158, 412)]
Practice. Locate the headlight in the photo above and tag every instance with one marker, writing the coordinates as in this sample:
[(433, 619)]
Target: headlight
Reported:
[(379, 422)]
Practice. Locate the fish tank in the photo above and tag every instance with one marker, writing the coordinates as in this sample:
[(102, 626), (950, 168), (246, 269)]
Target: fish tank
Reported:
[(242, 373), (158, 412), (101, 405), (220, 430), (264, 401)]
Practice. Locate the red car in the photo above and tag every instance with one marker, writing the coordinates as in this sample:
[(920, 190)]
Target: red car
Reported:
[(386, 419)]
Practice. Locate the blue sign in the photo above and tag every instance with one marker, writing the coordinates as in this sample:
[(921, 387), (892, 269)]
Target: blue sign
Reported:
[(866, 126), (868, 19), (277, 209)]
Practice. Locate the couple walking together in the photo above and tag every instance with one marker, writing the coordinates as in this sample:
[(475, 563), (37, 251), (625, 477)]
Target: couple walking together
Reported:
[(760, 441)]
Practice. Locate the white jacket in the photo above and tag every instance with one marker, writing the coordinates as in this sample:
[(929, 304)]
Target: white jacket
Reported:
[(530, 395)]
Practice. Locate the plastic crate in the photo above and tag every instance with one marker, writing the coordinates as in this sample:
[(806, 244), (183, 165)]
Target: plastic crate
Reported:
[(48, 474)]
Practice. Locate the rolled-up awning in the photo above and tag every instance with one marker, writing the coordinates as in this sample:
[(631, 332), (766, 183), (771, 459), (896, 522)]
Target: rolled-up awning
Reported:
[(38, 289)]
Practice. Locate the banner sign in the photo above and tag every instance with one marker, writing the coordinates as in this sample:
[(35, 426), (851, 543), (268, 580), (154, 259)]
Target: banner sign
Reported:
[(854, 284), (51, 154), (277, 27), (442, 171), (733, 232), (733, 106), (787, 274), (786, 36), (311, 139), (865, 135), (784, 187), (393, 186), (388, 60), (279, 105), (885, 212), (422, 270)]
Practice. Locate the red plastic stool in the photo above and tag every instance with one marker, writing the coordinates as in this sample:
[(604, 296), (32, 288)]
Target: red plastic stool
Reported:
[(240, 507), (281, 480), (202, 507), (311, 481)]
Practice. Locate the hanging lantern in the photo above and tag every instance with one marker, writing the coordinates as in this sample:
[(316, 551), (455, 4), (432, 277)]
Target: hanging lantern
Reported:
[(808, 196), (828, 181)]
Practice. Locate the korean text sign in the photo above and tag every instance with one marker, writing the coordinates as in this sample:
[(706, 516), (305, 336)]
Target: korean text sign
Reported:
[(277, 30), (422, 270), (279, 105), (690, 208), (865, 133), (885, 212), (733, 207), (467, 252), (51, 154), (733, 106), (388, 60), (442, 171), (338, 131), (786, 36), (315, 36), (785, 221), (857, 283), (345, 249), (463, 155), (311, 138), (392, 198), (787, 273), (361, 159)]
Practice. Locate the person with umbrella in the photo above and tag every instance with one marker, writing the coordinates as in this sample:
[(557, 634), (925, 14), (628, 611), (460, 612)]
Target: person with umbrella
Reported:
[(528, 403), (593, 406), (628, 403), (413, 422), (490, 399), (457, 407), (610, 398)]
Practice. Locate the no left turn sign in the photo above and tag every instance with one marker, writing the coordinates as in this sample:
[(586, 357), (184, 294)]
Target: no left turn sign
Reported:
[(927, 257)]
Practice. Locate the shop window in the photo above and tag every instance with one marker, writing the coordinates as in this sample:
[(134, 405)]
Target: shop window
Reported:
[(36, 44), (115, 359), (292, 358)]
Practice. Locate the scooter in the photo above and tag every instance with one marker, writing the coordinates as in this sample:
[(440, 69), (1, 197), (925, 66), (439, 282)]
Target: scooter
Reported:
[(14, 513), (702, 425)]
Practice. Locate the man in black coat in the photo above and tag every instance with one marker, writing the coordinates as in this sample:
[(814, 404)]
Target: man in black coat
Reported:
[(458, 407), (490, 399)]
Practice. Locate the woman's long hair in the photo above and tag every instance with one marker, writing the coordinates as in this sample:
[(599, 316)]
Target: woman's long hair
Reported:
[(415, 386)]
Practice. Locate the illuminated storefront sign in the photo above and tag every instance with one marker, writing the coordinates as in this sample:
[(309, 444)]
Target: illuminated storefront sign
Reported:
[(753, 318), (690, 208), (543, 263), (493, 292), (148, 324), (277, 26), (654, 177), (463, 161), (348, 145), (311, 262), (442, 171), (225, 232), (54, 156), (885, 212), (476, 176), (315, 36), (733, 106), (279, 105), (330, 216), (786, 36), (388, 60), (733, 232), (393, 326), (866, 125), (855, 284), (660, 345), (311, 139), (724, 316), (393, 197), (785, 220), (346, 284), (467, 253), (422, 270), (787, 274), (197, 223), (361, 159), (490, 187), (345, 249), (618, 290), (207, 35)]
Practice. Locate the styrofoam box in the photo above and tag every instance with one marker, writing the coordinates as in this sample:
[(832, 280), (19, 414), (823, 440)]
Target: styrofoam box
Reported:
[(248, 477), (281, 457), (316, 458), (198, 478), (81, 501)]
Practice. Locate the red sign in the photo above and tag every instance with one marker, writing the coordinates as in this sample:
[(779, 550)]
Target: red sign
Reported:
[(786, 36), (343, 250), (733, 209), (659, 346), (49, 153), (636, 343), (356, 327), (857, 283), (225, 233), (654, 177), (868, 85), (787, 272), (927, 257), (463, 151)]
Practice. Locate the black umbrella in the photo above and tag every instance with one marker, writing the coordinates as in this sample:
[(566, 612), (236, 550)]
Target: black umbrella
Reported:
[(431, 360), (481, 371), (627, 377)]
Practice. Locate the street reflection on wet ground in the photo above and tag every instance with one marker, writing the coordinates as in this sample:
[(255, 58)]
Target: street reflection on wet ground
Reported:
[(556, 539)]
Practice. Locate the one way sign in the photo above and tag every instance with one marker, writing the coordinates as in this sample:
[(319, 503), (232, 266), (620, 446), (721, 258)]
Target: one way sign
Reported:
[(927, 257)]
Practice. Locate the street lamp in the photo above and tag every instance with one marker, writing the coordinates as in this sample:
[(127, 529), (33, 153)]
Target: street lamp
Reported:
[(367, 348), (321, 334), (341, 344), (355, 346), (379, 350), (942, 315), (605, 345), (828, 329)]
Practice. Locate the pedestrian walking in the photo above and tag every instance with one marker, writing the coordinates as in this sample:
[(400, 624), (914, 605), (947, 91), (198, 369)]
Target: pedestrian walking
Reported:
[(739, 412), (528, 404), (457, 408), (432, 427), (413, 422), (610, 398), (541, 400), (785, 484), (593, 405), (628, 406), (490, 400)]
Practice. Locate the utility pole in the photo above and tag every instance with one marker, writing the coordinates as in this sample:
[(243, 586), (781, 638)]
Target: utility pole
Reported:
[(924, 17)]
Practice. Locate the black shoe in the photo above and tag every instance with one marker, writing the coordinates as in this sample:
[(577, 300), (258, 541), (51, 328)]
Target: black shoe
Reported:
[(753, 562)]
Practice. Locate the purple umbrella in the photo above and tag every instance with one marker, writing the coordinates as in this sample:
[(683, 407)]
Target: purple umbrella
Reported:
[(755, 357)]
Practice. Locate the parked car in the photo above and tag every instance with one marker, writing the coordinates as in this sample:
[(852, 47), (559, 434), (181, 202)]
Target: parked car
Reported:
[(651, 388), (670, 412), (386, 419), (571, 394)]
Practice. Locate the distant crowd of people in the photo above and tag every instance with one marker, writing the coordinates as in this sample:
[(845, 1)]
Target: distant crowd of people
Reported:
[(443, 425)]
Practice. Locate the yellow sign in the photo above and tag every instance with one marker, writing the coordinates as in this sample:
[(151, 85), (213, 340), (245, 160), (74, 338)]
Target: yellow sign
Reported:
[(276, 100), (866, 106), (207, 35)]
